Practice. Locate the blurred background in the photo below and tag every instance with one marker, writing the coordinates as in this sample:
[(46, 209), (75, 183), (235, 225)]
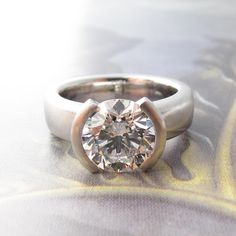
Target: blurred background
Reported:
[(43, 188)]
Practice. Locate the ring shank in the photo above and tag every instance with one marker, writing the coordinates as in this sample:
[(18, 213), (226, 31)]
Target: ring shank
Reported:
[(173, 99), (130, 89)]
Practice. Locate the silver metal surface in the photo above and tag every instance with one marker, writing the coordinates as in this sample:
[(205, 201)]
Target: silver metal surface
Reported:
[(89, 107), (160, 130), (172, 99)]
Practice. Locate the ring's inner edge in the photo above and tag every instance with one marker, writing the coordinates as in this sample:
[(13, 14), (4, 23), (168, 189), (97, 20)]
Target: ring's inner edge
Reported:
[(105, 89)]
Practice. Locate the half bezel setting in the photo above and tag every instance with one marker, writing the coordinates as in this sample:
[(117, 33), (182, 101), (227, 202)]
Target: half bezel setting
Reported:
[(118, 135)]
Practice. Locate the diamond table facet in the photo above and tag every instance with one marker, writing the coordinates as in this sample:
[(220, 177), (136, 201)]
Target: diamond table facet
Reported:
[(118, 137)]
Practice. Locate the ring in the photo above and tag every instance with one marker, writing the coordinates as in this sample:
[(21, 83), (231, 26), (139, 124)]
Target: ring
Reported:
[(119, 123)]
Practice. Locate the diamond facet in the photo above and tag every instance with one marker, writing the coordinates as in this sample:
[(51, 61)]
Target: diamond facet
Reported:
[(119, 136)]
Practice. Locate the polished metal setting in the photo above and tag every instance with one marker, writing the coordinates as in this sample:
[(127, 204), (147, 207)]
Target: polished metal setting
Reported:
[(168, 103)]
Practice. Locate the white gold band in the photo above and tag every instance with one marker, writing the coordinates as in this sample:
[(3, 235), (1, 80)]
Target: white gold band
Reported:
[(173, 99)]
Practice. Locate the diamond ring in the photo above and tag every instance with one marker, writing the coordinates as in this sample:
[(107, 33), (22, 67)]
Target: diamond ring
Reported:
[(119, 123)]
